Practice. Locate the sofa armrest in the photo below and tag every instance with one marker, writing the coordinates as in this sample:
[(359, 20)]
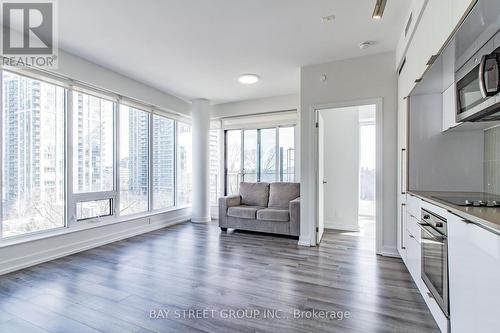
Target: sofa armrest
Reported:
[(294, 208), (230, 201), (224, 204)]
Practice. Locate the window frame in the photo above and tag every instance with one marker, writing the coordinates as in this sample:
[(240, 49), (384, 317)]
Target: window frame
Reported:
[(75, 198), (71, 199), (242, 153)]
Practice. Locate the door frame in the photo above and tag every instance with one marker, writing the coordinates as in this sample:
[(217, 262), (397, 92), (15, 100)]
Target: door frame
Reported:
[(379, 190)]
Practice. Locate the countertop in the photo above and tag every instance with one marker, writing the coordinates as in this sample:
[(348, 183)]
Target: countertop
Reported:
[(489, 218)]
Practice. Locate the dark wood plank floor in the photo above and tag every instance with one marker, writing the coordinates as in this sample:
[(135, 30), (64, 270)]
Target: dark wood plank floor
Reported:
[(115, 287)]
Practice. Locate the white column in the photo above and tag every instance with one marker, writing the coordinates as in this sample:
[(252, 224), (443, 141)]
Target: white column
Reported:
[(201, 158)]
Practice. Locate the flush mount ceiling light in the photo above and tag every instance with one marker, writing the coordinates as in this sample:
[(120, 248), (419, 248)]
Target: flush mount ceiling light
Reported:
[(365, 45), (328, 19), (248, 78), (378, 12)]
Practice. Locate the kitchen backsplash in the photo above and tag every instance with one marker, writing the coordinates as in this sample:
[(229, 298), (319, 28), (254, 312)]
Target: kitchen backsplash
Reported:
[(492, 160)]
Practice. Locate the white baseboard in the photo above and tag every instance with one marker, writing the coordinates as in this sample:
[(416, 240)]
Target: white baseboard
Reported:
[(390, 252), (15, 264), (201, 219), (341, 226), (303, 241)]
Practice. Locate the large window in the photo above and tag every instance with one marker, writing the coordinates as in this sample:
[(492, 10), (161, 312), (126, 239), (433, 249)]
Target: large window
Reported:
[(101, 160), (163, 162), (33, 158), (259, 155), (184, 171), (134, 160), (92, 143)]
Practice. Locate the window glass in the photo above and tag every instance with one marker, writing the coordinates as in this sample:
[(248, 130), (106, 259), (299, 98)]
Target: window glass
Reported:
[(93, 144), (233, 161), (163, 162), (32, 155), (268, 155), (287, 154), (250, 155), (214, 166), (184, 159), (92, 209), (134, 160)]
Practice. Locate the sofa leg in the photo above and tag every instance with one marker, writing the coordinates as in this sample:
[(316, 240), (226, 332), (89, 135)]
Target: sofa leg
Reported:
[(223, 229)]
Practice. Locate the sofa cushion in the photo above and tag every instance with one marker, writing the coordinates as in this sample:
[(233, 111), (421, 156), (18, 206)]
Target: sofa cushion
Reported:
[(243, 212), (280, 194), (254, 194), (273, 214)]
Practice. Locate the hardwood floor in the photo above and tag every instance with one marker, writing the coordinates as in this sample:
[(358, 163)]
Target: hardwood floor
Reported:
[(115, 287)]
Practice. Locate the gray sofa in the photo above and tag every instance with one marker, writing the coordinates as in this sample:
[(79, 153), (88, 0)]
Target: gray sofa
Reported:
[(263, 207)]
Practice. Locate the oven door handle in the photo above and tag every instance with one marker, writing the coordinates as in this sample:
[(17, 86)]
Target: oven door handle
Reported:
[(429, 231)]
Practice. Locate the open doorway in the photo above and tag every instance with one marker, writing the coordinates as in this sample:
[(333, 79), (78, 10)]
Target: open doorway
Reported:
[(348, 151)]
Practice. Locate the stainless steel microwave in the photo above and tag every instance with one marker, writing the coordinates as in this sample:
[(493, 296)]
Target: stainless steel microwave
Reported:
[(478, 88)]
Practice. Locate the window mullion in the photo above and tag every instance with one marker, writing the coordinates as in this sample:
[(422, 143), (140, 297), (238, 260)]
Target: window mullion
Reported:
[(1, 155), (116, 159), (150, 162), (70, 204)]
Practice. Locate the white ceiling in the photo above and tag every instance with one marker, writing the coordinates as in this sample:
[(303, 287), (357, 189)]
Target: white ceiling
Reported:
[(197, 48)]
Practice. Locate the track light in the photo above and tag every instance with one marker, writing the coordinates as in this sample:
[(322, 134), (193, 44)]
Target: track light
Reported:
[(379, 9)]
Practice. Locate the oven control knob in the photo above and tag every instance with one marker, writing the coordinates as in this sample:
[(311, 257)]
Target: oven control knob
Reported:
[(427, 216), (439, 224), (481, 203)]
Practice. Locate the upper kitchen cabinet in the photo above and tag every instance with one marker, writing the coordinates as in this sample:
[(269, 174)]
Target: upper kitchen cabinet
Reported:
[(458, 10), (434, 24)]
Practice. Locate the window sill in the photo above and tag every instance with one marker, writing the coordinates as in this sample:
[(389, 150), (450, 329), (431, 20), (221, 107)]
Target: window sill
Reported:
[(81, 226)]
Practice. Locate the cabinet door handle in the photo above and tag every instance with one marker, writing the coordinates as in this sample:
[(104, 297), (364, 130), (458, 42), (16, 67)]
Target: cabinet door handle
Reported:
[(403, 226), (403, 170)]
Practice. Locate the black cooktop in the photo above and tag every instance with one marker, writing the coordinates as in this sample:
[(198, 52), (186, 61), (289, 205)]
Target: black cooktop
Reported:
[(481, 200)]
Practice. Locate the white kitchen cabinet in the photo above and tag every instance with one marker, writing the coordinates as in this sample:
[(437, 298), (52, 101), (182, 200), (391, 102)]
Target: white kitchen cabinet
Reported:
[(413, 250), (458, 10), (449, 108), (474, 282)]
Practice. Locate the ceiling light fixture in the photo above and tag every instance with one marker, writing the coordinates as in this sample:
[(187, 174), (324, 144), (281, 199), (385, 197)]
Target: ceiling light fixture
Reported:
[(248, 78), (327, 19), (365, 45), (378, 12)]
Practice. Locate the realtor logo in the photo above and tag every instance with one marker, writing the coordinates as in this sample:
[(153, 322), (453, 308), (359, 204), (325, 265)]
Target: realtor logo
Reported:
[(28, 33)]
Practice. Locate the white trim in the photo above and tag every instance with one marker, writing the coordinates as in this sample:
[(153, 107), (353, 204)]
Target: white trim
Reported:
[(331, 225), (379, 120), (201, 219), (1, 154), (11, 265), (390, 252), (305, 241)]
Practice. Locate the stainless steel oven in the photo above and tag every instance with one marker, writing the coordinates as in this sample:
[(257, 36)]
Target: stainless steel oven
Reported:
[(434, 245)]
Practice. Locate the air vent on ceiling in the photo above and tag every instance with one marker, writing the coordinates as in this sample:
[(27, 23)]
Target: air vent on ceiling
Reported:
[(408, 24)]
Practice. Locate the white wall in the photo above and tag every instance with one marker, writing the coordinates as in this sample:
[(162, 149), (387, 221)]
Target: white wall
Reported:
[(349, 80), (341, 167), (77, 68), (253, 106)]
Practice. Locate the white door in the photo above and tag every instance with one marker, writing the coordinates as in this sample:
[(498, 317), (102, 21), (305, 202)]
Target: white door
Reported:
[(321, 180)]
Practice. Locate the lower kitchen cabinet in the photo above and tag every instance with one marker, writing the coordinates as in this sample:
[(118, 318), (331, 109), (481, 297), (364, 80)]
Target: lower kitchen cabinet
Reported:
[(474, 266)]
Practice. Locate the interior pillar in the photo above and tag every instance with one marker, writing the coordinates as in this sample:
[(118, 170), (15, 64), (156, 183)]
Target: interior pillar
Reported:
[(201, 168)]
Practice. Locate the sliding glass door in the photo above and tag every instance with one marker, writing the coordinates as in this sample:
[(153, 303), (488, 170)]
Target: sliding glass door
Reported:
[(258, 155)]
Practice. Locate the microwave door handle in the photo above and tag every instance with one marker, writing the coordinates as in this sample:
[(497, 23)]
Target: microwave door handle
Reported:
[(485, 91), (482, 83)]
